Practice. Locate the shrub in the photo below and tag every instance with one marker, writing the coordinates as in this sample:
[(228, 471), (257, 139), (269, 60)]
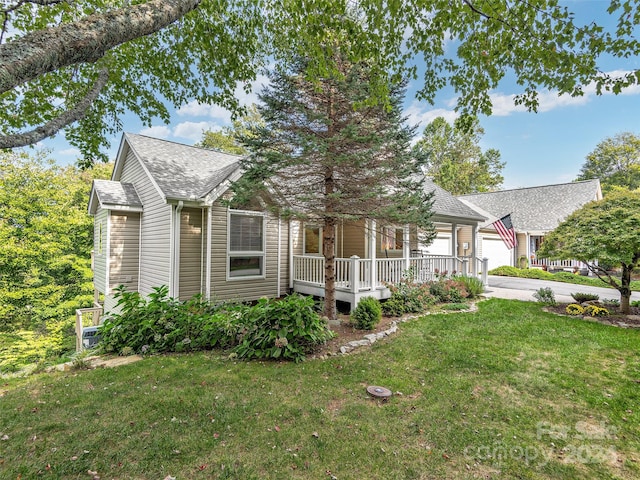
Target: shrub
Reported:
[(585, 297), (448, 291), (472, 285), (408, 297), (505, 271), (596, 311), (367, 314), (393, 306), (611, 302), (288, 328), (574, 309), (545, 295)]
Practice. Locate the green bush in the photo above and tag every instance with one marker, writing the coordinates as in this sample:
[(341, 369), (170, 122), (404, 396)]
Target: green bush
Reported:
[(472, 285), (506, 271), (408, 297), (367, 314), (288, 328), (449, 290), (545, 295), (585, 297)]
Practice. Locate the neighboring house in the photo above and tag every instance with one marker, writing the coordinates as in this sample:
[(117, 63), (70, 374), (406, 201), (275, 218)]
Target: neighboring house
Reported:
[(161, 220), (535, 211)]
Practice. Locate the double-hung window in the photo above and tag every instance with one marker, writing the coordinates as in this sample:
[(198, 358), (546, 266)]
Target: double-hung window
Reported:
[(392, 238), (246, 245)]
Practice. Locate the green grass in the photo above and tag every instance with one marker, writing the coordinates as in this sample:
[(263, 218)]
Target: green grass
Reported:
[(564, 277), (542, 395)]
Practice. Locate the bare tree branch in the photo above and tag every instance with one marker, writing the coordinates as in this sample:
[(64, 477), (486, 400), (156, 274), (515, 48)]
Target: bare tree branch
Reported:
[(66, 118), (84, 41)]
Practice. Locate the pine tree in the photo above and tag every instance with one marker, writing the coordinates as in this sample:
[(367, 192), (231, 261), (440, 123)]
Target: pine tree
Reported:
[(324, 155)]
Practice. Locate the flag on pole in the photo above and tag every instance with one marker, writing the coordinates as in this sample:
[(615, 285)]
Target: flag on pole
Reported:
[(507, 233)]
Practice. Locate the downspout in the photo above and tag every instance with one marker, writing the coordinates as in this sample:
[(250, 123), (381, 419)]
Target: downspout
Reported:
[(290, 256), (207, 280), (107, 255), (175, 287), (279, 255)]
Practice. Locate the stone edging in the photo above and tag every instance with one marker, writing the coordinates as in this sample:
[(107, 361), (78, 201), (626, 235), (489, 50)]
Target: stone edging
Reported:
[(372, 338)]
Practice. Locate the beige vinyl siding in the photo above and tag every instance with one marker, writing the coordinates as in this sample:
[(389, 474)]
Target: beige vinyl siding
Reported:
[(100, 257), (242, 289), (354, 239), (155, 254), (123, 250), (109, 306), (522, 246), (190, 252), (464, 236)]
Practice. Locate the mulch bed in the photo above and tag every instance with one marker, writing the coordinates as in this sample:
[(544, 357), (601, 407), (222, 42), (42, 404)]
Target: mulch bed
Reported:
[(615, 318)]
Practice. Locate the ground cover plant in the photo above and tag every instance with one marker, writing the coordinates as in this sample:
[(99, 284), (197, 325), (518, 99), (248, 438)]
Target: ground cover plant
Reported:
[(509, 391), (565, 277), (287, 328)]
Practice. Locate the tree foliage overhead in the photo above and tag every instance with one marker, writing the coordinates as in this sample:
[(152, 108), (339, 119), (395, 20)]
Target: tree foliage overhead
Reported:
[(323, 155), (615, 161), (455, 161), (81, 65), (602, 234)]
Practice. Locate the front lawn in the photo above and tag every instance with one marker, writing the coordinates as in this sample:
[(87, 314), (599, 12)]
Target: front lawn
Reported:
[(508, 391)]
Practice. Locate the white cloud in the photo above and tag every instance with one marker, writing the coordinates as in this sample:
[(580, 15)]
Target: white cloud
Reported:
[(157, 131), (420, 114), (73, 152), (193, 130)]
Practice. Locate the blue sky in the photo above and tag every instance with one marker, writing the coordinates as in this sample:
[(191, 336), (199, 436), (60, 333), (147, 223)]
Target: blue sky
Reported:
[(539, 148)]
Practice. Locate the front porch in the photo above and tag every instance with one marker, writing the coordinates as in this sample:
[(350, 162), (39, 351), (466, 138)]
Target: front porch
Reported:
[(365, 277)]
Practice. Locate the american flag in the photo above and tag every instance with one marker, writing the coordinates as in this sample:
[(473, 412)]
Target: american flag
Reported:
[(507, 233)]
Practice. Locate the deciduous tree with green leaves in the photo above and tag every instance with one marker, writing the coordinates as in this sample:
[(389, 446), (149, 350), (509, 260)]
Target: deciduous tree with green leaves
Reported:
[(615, 161), (605, 231), (45, 241), (81, 66), (324, 155), (455, 161), (227, 138)]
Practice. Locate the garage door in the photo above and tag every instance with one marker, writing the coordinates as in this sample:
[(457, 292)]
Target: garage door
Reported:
[(441, 245), (495, 250)]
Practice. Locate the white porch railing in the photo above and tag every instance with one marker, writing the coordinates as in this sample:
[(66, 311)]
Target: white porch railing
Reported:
[(354, 274), (86, 317), (552, 264)]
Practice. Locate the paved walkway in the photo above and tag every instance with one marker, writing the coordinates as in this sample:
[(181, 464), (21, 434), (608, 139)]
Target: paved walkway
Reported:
[(523, 289)]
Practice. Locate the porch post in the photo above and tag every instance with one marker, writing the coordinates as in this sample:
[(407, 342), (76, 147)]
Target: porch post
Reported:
[(485, 268), (373, 254), (454, 239), (354, 273), (406, 248), (474, 253)]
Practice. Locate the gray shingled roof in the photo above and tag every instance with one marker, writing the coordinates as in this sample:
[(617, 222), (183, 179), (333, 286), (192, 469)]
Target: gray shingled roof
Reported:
[(182, 172), (116, 193), (446, 205), (536, 208)]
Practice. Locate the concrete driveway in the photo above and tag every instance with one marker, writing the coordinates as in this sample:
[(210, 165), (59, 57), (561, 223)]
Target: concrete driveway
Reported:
[(523, 289)]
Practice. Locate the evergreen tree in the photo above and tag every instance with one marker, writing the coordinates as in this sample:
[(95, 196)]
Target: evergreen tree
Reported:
[(325, 154)]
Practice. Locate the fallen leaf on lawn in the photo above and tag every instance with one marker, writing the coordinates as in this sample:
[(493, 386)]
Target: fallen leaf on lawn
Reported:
[(202, 467), (277, 428), (74, 458), (169, 477), (315, 435), (216, 435), (5, 437)]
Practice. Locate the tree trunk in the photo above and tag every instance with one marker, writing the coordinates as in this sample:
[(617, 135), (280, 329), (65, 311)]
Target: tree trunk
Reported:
[(328, 248), (625, 289), (84, 41)]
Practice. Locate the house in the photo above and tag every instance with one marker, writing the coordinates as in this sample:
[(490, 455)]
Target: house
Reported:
[(161, 220), (534, 211)]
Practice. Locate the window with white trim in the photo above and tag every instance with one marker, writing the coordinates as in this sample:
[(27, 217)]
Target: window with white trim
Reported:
[(392, 238), (246, 244), (312, 240)]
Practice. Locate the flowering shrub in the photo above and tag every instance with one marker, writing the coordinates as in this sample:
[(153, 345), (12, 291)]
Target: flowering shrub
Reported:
[(408, 297), (287, 328), (574, 309), (596, 311)]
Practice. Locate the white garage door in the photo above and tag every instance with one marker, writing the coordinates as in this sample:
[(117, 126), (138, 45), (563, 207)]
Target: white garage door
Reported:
[(495, 250), (441, 245)]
